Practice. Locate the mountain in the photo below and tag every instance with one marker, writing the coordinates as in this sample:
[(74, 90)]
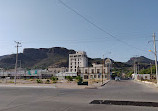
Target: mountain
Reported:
[(38, 58), (141, 60), (59, 57)]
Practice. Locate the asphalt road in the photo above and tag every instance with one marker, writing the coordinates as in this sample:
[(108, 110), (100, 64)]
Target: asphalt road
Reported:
[(50, 99)]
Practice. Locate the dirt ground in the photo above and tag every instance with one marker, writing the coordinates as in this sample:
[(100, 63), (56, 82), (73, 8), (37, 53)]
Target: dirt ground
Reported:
[(58, 84)]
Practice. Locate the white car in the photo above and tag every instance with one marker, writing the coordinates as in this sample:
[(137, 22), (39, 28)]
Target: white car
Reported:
[(117, 78)]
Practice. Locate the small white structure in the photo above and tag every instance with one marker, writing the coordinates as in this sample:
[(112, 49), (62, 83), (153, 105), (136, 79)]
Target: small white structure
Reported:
[(141, 76), (62, 75), (55, 70), (77, 60)]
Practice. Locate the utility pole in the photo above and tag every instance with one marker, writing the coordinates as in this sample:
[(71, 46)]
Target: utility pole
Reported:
[(17, 46), (134, 67), (135, 64), (102, 69), (155, 57), (151, 68), (138, 68)]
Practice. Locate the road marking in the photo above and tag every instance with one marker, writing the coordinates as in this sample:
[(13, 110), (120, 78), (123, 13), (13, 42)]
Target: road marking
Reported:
[(131, 103)]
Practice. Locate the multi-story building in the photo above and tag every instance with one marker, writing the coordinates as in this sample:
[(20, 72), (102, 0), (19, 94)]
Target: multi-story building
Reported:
[(77, 60), (97, 71)]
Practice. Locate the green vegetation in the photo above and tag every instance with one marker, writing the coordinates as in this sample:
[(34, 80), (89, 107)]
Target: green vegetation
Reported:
[(39, 81), (47, 81), (148, 70), (10, 82), (54, 79), (79, 79), (129, 74), (69, 78)]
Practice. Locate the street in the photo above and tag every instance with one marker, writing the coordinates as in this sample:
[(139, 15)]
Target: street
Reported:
[(51, 99)]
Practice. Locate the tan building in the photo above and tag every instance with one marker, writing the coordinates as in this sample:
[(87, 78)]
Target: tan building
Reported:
[(96, 71)]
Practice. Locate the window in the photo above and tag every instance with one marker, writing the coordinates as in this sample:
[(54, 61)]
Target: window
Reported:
[(85, 77), (95, 76), (98, 76), (86, 71), (92, 71), (98, 70)]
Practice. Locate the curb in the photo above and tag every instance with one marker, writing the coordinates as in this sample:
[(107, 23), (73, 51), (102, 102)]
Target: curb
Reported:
[(105, 83), (90, 88), (147, 83), (18, 86)]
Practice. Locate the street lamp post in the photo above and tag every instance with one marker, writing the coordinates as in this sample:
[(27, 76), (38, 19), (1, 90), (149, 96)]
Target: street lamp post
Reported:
[(155, 53), (155, 57), (103, 70)]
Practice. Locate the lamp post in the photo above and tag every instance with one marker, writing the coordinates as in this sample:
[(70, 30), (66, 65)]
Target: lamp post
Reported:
[(155, 64), (155, 53)]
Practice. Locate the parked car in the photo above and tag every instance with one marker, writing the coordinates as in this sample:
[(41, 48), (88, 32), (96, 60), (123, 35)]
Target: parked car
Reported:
[(117, 78)]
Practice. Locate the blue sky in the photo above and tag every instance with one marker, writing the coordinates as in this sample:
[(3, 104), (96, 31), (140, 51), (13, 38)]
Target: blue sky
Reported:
[(48, 23)]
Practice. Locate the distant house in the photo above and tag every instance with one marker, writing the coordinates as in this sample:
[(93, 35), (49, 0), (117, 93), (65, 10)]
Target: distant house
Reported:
[(55, 70)]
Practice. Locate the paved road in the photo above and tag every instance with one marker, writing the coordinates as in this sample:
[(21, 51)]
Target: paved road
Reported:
[(47, 99)]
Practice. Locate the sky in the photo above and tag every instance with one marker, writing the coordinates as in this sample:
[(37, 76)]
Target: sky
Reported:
[(118, 29)]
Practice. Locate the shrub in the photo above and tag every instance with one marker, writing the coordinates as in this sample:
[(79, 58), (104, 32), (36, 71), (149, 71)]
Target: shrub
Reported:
[(10, 82), (54, 79), (47, 81), (79, 79), (39, 81), (69, 78)]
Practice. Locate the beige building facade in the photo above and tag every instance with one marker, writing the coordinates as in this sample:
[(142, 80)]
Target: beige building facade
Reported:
[(97, 71), (77, 60)]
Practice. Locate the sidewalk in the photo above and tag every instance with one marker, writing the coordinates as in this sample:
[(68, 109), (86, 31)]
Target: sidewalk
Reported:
[(149, 84), (65, 85)]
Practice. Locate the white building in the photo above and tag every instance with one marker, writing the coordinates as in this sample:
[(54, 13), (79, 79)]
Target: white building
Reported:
[(77, 60), (141, 76), (55, 70)]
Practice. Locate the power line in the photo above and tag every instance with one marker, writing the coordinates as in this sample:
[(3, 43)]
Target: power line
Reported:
[(96, 26)]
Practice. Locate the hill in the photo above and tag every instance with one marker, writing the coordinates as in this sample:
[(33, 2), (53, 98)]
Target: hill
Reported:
[(141, 59), (38, 58), (58, 57)]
